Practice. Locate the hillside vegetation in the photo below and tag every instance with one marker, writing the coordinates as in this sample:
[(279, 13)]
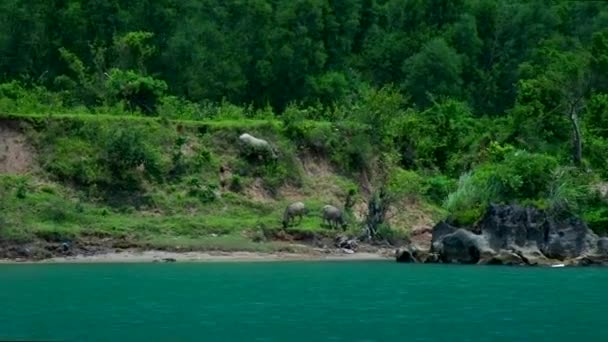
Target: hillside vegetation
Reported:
[(120, 119)]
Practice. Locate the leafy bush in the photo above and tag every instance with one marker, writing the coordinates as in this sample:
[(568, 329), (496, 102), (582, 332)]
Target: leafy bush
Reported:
[(56, 211), (437, 188), (475, 190), (205, 192), (392, 236), (274, 176), (125, 151), (596, 153), (228, 111), (497, 152), (437, 138), (76, 160), (569, 190), (236, 184), (405, 184), (328, 88), (173, 107), (521, 176), (22, 188), (16, 98), (467, 217), (597, 219), (525, 175), (139, 91)]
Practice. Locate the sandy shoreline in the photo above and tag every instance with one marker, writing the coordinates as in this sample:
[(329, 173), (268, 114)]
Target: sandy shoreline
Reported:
[(164, 256)]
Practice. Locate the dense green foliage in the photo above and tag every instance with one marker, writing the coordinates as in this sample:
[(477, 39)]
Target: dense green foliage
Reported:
[(449, 103), (278, 51)]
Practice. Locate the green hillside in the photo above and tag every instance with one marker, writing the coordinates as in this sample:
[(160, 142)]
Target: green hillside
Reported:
[(120, 121)]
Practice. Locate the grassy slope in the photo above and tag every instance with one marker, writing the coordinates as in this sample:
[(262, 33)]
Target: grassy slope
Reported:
[(47, 205)]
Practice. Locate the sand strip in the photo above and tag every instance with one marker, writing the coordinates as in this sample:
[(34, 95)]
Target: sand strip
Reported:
[(164, 256)]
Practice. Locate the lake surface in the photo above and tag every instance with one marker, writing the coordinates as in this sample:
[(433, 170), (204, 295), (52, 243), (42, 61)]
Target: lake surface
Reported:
[(301, 301)]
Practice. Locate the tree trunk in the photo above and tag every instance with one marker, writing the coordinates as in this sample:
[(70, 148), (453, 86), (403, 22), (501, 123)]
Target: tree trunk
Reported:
[(577, 148), (376, 213)]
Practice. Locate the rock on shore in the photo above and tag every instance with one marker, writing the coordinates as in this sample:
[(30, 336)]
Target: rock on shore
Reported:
[(513, 235)]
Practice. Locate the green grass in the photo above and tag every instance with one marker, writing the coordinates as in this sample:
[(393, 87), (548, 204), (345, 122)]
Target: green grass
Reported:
[(217, 124), (54, 213), (66, 197)]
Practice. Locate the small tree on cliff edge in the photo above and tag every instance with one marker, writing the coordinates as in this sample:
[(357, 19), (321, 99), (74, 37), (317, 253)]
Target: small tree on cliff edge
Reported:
[(557, 82)]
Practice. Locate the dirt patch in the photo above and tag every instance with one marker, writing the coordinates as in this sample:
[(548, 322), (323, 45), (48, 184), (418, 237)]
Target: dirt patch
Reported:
[(360, 210), (411, 216), (320, 181), (257, 192), (315, 166), (16, 155), (292, 193)]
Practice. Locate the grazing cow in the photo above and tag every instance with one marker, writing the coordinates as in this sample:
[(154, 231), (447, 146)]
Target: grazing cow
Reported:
[(293, 210), (333, 217)]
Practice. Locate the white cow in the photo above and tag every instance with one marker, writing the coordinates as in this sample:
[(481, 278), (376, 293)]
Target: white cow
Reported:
[(257, 145)]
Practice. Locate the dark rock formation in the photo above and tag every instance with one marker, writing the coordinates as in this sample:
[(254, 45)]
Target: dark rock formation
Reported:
[(439, 231), (415, 254), (344, 242), (602, 246), (529, 229), (569, 238), (513, 226), (503, 257), (406, 255), (462, 246), (514, 235)]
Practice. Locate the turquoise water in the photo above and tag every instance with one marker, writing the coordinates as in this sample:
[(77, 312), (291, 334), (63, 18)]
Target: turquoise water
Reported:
[(301, 301)]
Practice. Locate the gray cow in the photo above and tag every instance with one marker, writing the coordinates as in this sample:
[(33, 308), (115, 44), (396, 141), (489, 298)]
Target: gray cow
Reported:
[(295, 209), (333, 217)]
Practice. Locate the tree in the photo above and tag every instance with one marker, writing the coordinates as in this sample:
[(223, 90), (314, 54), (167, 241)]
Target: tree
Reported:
[(139, 91), (599, 61), (436, 70), (133, 50), (565, 77)]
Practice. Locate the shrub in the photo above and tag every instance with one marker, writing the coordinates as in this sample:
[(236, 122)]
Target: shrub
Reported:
[(569, 190), (520, 177), (405, 184), (125, 151), (274, 176), (16, 98), (139, 91), (392, 236), (236, 184), (206, 193), (354, 150), (172, 107), (597, 219), (525, 175), (474, 190), (56, 211), (22, 188), (596, 153), (76, 160), (467, 217), (228, 111), (437, 188)]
